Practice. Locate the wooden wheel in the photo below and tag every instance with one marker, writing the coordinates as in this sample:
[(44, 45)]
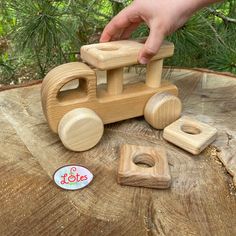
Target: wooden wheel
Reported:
[(162, 109), (80, 129)]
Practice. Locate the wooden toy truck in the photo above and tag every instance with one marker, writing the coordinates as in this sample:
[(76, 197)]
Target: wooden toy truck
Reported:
[(79, 115)]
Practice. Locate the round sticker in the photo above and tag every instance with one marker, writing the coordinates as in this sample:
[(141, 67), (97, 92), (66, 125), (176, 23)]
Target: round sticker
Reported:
[(72, 177)]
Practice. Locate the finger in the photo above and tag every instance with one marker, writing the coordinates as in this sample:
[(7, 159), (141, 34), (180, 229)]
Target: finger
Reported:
[(117, 36), (128, 31), (121, 21), (151, 46)]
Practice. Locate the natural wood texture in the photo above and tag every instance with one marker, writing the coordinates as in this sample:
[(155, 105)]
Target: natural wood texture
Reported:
[(80, 129), (110, 108), (162, 109), (154, 72), (190, 134), (200, 200), (115, 81), (110, 55), (143, 166), (119, 101)]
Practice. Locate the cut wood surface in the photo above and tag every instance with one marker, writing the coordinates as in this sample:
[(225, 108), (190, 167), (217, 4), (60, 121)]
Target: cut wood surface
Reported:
[(162, 109), (143, 166), (80, 129), (110, 55), (190, 134), (200, 201)]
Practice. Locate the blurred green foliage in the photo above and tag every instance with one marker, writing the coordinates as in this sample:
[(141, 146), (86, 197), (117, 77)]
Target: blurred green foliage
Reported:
[(37, 35)]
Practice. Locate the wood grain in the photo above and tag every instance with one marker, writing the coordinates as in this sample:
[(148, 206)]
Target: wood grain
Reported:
[(154, 73), (190, 134), (199, 202), (109, 107), (115, 81), (116, 54), (162, 109), (143, 166), (80, 129)]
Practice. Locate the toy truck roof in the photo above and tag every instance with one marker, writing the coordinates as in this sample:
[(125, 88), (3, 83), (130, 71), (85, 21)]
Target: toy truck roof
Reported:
[(110, 55)]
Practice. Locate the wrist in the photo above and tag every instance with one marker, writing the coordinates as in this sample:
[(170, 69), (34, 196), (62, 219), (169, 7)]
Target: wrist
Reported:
[(198, 4), (191, 6)]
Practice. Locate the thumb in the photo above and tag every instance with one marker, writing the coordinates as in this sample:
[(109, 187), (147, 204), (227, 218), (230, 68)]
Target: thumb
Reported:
[(151, 46)]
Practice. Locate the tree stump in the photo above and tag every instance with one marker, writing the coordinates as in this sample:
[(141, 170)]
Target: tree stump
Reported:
[(200, 201)]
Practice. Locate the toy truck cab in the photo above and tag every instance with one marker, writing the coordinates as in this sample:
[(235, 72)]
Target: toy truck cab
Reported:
[(78, 115)]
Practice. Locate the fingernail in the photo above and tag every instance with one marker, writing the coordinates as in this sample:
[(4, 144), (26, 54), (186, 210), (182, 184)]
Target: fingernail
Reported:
[(143, 60)]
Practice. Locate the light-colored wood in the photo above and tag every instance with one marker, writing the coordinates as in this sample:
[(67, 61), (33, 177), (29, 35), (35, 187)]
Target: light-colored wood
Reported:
[(143, 166), (201, 200), (80, 129), (115, 81), (162, 109), (110, 108), (154, 73), (189, 134), (110, 55)]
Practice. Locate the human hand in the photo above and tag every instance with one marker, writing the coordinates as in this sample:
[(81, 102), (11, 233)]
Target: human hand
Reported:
[(163, 17)]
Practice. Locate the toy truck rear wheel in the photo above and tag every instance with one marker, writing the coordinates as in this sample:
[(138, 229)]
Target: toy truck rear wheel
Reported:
[(162, 109), (80, 129)]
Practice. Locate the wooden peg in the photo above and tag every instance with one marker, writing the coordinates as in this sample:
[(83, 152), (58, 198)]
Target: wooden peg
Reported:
[(115, 81), (132, 170), (154, 72)]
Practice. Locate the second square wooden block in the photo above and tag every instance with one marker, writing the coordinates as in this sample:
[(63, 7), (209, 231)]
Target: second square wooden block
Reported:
[(143, 166), (190, 134)]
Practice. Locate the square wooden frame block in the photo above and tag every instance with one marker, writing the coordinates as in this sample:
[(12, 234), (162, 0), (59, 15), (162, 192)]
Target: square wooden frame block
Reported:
[(190, 135), (155, 176), (110, 55)]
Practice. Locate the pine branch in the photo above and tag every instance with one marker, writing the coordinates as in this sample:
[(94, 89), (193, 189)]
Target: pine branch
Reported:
[(222, 16), (219, 38)]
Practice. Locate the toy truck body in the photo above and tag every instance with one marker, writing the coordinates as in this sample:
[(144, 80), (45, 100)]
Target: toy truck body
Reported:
[(78, 115)]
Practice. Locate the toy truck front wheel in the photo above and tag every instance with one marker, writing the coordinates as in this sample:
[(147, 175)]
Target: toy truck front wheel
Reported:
[(80, 129)]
